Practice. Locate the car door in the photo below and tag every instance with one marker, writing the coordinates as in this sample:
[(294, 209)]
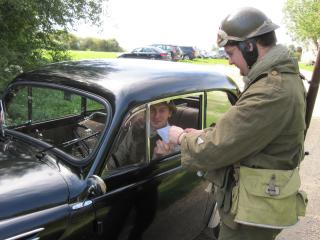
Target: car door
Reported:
[(126, 178), (153, 198), (136, 53), (157, 198), (154, 54), (146, 53)]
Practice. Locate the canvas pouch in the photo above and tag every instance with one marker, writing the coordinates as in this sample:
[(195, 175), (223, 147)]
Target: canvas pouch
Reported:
[(268, 198)]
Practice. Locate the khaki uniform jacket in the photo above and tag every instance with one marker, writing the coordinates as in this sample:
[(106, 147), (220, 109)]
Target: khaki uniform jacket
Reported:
[(264, 129)]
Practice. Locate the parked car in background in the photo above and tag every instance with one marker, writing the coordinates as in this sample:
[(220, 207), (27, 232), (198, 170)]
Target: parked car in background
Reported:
[(203, 54), (148, 52), (188, 53), (221, 53), (174, 51), (63, 125), (212, 54)]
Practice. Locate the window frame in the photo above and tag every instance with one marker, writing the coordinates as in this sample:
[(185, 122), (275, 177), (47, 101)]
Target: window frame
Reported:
[(230, 95), (60, 153)]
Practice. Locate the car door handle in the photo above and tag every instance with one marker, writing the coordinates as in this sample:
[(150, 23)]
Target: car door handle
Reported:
[(80, 205), (31, 235)]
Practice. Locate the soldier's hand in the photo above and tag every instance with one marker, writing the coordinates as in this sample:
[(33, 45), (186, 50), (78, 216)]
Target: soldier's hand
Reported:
[(194, 132), (174, 134)]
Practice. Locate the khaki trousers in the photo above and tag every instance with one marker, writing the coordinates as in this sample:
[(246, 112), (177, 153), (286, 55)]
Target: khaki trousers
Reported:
[(247, 233)]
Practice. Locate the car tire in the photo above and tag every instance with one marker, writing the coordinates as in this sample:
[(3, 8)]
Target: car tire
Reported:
[(186, 57)]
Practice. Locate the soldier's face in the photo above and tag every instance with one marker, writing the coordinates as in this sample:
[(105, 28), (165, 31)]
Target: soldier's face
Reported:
[(159, 115), (236, 58)]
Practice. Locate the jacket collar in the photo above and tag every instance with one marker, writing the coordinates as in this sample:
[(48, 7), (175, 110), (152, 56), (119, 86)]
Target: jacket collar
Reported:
[(277, 58)]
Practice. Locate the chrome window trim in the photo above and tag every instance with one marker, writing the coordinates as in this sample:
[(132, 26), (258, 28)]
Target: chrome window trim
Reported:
[(26, 234)]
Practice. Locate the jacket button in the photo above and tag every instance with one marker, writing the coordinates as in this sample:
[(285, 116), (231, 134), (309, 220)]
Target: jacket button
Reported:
[(274, 73)]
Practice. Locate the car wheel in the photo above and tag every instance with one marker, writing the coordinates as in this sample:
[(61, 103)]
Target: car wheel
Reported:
[(186, 57), (152, 58)]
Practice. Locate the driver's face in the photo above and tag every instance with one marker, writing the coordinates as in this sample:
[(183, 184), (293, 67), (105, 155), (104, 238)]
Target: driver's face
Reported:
[(159, 115)]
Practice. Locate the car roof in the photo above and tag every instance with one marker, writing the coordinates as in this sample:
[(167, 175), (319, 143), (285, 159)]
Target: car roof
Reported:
[(187, 47), (159, 50), (130, 79)]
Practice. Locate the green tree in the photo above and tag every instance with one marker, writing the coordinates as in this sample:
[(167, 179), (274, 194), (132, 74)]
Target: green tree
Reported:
[(73, 42), (94, 44), (113, 45), (27, 27), (302, 20)]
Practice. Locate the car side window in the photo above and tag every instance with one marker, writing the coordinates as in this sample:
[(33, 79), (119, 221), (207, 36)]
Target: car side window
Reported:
[(182, 112), (130, 145), (137, 50), (217, 104), (69, 121)]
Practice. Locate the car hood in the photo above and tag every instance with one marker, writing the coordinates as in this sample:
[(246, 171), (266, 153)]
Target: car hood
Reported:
[(27, 184)]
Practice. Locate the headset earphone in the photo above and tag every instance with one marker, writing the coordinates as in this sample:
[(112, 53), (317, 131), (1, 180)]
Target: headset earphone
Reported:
[(250, 55)]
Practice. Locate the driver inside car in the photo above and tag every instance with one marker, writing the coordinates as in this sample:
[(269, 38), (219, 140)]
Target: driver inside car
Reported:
[(132, 148)]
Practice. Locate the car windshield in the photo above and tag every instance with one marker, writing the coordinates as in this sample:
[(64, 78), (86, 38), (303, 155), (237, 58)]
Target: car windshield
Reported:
[(63, 118)]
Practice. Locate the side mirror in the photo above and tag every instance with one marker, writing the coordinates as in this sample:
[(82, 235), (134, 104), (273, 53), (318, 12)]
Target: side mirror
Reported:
[(96, 186)]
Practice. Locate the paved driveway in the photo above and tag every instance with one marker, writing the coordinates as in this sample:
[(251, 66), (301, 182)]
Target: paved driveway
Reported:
[(309, 227)]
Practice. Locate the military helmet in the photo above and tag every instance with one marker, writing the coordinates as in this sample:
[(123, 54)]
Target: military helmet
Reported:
[(244, 24)]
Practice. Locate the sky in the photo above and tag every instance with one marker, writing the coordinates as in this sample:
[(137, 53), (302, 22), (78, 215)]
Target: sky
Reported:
[(136, 23)]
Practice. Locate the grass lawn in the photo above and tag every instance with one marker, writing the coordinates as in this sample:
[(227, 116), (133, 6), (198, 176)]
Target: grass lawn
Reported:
[(207, 61), (78, 55), (306, 67)]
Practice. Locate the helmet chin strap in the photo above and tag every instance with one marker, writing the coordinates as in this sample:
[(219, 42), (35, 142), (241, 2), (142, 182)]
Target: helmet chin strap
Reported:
[(250, 55)]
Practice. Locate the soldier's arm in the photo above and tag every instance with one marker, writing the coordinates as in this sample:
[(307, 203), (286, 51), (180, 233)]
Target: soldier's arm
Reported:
[(245, 129)]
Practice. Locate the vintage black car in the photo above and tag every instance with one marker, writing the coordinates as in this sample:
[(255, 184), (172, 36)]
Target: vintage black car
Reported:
[(60, 128)]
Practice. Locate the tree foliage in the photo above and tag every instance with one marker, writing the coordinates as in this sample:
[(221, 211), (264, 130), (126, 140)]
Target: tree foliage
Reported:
[(93, 44), (27, 27), (303, 20)]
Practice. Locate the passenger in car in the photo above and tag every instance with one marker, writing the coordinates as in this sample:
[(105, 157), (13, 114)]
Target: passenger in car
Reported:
[(132, 148), (159, 119)]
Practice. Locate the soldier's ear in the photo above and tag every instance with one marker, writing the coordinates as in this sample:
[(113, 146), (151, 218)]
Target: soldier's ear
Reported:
[(246, 46)]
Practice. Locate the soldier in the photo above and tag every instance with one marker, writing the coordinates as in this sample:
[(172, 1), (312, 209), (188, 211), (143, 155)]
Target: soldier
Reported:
[(264, 130)]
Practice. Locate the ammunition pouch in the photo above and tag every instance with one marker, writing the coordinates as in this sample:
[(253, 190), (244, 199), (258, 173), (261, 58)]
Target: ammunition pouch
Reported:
[(224, 183), (268, 198)]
